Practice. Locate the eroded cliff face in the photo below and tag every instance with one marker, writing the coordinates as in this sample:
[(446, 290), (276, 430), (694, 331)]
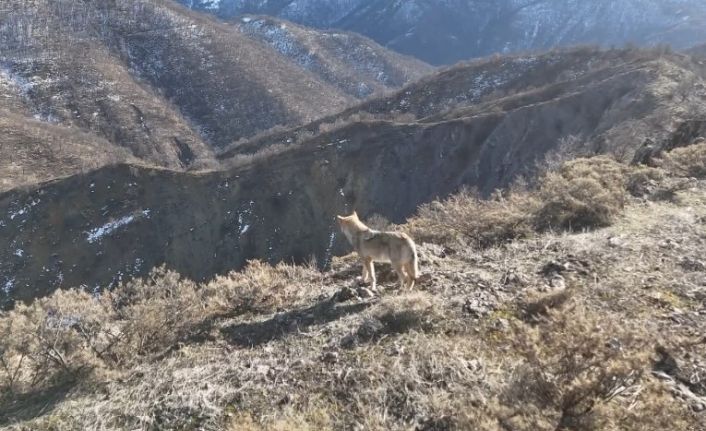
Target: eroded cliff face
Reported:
[(119, 222)]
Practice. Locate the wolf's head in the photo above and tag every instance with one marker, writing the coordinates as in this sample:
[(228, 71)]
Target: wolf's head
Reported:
[(351, 225), (351, 217)]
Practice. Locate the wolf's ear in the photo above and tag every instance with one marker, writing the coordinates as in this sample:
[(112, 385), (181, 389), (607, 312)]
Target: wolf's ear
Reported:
[(355, 214)]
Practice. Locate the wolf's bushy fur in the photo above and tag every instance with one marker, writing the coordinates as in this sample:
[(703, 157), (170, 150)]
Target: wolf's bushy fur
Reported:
[(373, 246)]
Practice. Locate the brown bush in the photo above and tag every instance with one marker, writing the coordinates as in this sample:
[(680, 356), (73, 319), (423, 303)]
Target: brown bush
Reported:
[(642, 179), (73, 332), (584, 193), (260, 287), (155, 312), (687, 161), (51, 340), (467, 219), (564, 379)]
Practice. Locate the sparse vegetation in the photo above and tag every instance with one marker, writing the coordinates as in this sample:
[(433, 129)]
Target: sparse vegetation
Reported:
[(585, 193), (489, 341), (689, 161), (467, 218), (74, 332)]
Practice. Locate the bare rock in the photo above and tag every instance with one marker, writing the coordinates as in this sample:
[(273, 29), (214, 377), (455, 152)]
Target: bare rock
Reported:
[(557, 282), (365, 293), (330, 357), (346, 294)]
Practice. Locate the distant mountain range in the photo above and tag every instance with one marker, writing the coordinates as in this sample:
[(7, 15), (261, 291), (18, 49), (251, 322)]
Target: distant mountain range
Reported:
[(445, 31)]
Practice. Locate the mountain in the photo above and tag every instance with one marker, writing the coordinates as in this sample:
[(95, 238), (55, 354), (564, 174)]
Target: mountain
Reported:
[(446, 31), (278, 202), (134, 80), (353, 63), (612, 95)]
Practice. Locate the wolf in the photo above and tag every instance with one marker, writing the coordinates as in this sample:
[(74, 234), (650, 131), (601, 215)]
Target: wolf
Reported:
[(374, 246)]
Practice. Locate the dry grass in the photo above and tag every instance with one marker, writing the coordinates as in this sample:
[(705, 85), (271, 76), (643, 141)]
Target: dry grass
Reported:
[(271, 348), (401, 314), (73, 332), (579, 372), (261, 288)]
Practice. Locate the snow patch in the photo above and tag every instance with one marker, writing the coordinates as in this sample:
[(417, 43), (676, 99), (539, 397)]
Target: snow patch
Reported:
[(24, 210), (329, 248), (8, 286), (215, 4), (96, 234)]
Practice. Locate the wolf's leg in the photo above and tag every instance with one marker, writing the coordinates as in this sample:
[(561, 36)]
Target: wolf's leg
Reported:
[(399, 269), (408, 267), (371, 272), (366, 272)]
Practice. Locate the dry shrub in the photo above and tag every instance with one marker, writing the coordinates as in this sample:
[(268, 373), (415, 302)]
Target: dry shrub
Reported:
[(582, 372), (584, 193), (51, 340), (72, 332), (687, 161), (466, 218), (261, 287), (642, 180), (427, 383), (379, 222), (156, 312)]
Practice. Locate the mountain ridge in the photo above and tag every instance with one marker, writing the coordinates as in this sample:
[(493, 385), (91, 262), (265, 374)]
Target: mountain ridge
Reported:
[(446, 31)]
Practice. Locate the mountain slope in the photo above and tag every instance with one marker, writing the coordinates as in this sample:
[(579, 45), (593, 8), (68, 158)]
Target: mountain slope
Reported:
[(349, 61), (598, 329), (279, 204), (153, 81), (445, 31), (615, 98)]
